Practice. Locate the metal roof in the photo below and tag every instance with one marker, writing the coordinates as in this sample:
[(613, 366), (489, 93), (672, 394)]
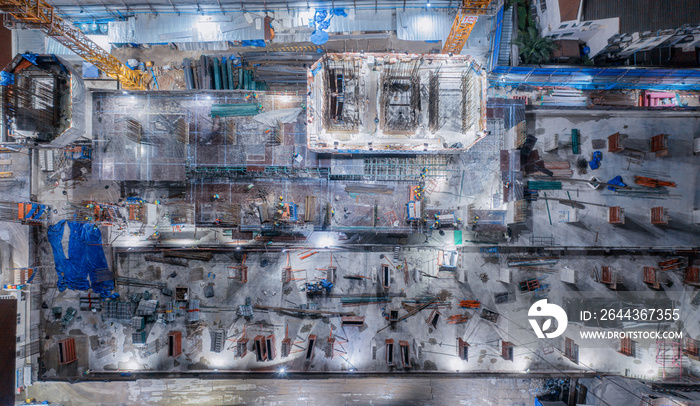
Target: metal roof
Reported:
[(89, 10), (644, 15), (598, 78)]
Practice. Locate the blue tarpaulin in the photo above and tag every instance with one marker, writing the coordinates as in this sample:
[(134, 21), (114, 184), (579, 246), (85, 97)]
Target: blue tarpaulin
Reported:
[(7, 78), (30, 57), (318, 69), (497, 38), (322, 21), (86, 258), (339, 12), (253, 43), (595, 162), (319, 37), (617, 180), (90, 71)]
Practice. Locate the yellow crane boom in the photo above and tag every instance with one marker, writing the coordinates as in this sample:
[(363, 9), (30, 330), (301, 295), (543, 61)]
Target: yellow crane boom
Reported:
[(39, 14), (463, 25)]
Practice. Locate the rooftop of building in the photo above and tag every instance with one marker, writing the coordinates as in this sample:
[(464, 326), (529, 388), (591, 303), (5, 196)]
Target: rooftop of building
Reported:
[(644, 15)]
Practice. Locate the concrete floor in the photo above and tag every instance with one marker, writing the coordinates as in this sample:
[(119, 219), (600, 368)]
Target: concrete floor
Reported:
[(362, 349), (332, 392), (592, 229)]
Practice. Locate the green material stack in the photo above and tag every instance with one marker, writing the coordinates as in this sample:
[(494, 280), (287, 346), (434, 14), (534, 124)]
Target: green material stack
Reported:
[(246, 81), (219, 73), (543, 185), (235, 110), (575, 142)]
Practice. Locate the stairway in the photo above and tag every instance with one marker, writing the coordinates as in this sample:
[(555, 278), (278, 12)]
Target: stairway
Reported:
[(506, 38), (217, 340)]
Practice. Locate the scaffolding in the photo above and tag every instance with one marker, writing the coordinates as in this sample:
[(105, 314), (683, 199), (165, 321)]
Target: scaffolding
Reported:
[(341, 110), (669, 356), (408, 169), (400, 96), (32, 102), (99, 212), (471, 100), (244, 171), (453, 94)]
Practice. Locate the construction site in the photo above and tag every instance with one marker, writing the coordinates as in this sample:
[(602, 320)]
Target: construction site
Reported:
[(395, 221)]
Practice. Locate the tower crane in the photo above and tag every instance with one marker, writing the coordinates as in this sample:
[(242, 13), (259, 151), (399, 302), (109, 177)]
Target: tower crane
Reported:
[(463, 24), (38, 14)]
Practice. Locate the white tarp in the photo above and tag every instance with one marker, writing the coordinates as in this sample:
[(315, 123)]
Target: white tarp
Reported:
[(271, 118), (185, 28), (419, 25), (78, 119)]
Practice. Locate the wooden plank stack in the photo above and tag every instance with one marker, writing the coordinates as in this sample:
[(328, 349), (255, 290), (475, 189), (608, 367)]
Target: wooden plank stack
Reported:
[(651, 182)]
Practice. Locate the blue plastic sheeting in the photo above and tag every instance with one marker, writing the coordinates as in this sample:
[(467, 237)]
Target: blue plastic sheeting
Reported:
[(31, 212), (497, 38), (322, 19), (90, 71), (339, 12), (318, 69), (7, 78), (86, 258), (253, 43), (319, 37), (617, 180), (598, 78), (30, 57), (595, 162)]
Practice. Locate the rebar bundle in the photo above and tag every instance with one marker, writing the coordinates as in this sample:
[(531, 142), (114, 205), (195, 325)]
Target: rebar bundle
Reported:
[(134, 131), (8, 211)]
